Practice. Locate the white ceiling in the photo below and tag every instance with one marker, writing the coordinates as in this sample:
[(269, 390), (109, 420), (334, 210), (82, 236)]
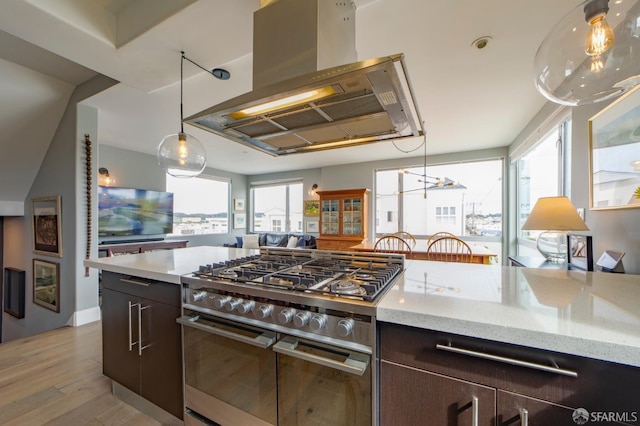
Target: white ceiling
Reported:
[(469, 99)]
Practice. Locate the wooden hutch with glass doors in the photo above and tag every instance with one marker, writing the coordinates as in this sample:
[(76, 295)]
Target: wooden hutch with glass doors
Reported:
[(343, 218)]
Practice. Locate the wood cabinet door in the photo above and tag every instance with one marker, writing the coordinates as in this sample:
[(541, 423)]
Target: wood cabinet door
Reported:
[(120, 363), (409, 396), (161, 361), (538, 412)]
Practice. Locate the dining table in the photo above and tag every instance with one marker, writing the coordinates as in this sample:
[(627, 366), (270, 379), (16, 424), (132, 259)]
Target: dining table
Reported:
[(479, 254)]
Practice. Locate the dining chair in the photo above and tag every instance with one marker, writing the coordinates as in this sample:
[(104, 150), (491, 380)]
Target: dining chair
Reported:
[(392, 244), (408, 237), (449, 249), (439, 235)]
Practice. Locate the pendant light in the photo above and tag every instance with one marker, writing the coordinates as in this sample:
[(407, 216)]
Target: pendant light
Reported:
[(181, 155), (592, 54), (428, 182)]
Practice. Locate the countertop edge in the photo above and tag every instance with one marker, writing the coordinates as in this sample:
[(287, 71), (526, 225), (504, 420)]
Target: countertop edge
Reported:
[(131, 270), (605, 351)]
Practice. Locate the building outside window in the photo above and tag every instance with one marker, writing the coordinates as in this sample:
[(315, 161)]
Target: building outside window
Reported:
[(540, 172), (277, 207), (201, 205), (469, 205)]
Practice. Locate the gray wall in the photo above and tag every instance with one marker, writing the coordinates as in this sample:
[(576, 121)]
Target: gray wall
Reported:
[(58, 175)]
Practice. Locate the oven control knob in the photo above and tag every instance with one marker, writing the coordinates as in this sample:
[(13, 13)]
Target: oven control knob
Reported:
[(198, 296), (246, 306), (286, 315), (221, 301), (345, 327), (301, 319), (233, 304), (318, 322), (263, 311)]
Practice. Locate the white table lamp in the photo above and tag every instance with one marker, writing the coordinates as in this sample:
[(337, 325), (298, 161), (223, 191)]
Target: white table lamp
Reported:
[(555, 216)]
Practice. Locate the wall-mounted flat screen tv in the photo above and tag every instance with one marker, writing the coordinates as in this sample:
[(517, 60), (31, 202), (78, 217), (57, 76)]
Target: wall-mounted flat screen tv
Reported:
[(128, 211)]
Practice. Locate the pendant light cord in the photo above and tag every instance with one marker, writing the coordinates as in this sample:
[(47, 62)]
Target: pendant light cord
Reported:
[(181, 79)]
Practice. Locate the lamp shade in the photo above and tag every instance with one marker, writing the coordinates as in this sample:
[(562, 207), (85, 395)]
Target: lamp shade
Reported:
[(592, 54), (554, 214)]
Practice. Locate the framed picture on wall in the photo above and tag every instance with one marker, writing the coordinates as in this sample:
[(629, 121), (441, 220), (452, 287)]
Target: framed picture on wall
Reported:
[(47, 232), (312, 226), (311, 207), (238, 204), (46, 284), (239, 220), (614, 159)]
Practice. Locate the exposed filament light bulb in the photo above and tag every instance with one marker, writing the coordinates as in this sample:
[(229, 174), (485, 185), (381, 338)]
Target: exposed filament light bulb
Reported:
[(183, 150), (600, 36)]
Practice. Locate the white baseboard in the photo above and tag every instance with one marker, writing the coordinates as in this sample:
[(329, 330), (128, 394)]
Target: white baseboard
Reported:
[(85, 317)]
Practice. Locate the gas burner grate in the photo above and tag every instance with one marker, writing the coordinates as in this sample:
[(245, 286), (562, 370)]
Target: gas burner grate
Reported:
[(360, 278)]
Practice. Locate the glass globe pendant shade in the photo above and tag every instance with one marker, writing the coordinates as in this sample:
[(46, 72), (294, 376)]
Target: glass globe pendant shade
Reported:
[(592, 54), (553, 245), (181, 155)]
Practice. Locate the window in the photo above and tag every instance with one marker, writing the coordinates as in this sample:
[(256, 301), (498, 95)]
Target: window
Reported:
[(540, 173), (277, 207), (446, 215), (469, 205), (200, 205)]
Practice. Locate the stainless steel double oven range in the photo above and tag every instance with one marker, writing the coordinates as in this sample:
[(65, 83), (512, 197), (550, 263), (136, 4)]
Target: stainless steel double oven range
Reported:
[(285, 337)]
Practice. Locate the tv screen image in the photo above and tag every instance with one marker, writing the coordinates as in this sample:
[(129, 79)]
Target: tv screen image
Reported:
[(128, 211)]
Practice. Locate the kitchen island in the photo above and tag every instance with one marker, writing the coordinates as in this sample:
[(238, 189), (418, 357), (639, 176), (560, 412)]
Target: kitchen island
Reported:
[(141, 340), (592, 317), (466, 344)]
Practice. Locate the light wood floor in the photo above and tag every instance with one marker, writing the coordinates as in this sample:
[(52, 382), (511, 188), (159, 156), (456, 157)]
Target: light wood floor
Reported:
[(55, 378)]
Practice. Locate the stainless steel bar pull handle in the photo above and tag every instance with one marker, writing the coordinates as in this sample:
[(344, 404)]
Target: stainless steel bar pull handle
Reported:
[(524, 417), (475, 406), (263, 340), (131, 343), (136, 282), (355, 363), (140, 347), (506, 360)]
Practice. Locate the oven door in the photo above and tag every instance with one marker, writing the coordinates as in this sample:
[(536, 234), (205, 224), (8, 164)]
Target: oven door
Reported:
[(230, 371), (322, 385)]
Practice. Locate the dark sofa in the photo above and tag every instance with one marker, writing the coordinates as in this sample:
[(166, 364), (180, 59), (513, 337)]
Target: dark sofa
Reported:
[(280, 239)]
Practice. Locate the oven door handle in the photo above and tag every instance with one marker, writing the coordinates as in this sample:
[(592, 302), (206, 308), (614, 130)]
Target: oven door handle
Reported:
[(355, 363), (263, 341)]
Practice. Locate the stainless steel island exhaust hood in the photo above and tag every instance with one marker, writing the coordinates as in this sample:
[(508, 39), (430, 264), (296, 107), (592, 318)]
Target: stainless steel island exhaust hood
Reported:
[(345, 105)]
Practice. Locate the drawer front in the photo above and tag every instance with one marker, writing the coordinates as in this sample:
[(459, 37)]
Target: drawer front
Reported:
[(142, 287), (328, 244), (599, 385)]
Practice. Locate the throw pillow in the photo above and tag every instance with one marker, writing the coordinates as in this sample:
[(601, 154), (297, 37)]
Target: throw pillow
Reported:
[(293, 242), (239, 242), (250, 241)]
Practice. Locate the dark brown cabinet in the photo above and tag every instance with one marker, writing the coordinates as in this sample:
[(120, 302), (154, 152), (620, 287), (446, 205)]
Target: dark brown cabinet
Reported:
[(409, 396), (435, 378), (141, 341)]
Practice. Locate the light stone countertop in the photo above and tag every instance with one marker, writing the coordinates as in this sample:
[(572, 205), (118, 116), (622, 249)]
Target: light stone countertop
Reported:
[(166, 265), (591, 314)]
